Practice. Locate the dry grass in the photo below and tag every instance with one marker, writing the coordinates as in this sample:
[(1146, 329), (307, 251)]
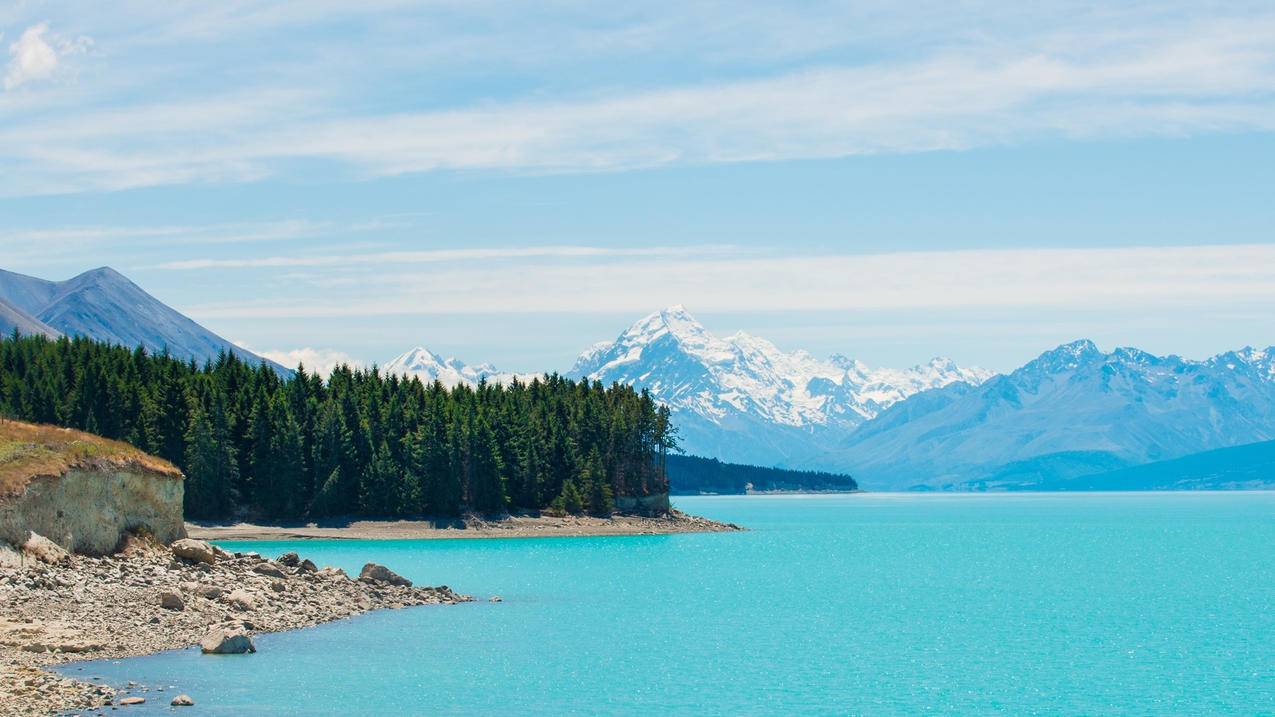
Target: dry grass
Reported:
[(28, 450)]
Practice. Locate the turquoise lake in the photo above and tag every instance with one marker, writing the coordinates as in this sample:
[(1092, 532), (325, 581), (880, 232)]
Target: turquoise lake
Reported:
[(875, 604)]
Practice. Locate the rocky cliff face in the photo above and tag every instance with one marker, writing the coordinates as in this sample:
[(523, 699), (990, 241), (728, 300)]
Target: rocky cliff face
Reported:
[(88, 510), (82, 491)]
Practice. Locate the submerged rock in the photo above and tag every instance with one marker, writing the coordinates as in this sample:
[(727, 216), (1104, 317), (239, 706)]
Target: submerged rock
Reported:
[(373, 572), (227, 640)]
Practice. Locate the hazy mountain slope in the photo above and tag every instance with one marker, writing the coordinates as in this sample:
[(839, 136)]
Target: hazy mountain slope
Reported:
[(11, 317), (1250, 466), (743, 399), (1074, 410), (103, 304)]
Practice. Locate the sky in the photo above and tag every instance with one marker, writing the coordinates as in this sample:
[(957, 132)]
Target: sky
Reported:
[(512, 182)]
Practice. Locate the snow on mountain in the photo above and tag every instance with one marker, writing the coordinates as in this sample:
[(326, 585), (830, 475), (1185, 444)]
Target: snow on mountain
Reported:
[(429, 367), (742, 398), (104, 305), (1072, 411)]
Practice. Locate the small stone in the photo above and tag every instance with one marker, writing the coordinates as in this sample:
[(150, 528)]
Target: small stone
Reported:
[(211, 592), (290, 559), (132, 701), (170, 600), (182, 701), (495, 598), (278, 586)]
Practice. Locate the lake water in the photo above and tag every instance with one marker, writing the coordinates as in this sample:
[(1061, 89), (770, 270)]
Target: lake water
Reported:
[(877, 604)]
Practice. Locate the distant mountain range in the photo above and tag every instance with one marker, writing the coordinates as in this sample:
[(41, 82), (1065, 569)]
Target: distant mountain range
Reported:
[(103, 304), (1073, 411), (1073, 418), (740, 398)]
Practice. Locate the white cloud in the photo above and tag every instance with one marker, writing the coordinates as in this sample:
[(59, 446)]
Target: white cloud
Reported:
[(36, 55), (1083, 81), (1102, 279), (433, 256), (316, 361)]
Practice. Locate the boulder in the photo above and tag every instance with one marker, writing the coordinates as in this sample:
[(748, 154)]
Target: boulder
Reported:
[(170, 600), (307, 566), (196, 551), (332, 573), (182, 701), (290, 559), (241, 599), (374, 573), (211, 592), (227, 640), (270, 569), (45, 550)]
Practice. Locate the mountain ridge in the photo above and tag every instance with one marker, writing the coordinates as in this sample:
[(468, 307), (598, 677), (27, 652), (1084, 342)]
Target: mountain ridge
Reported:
[(105, 305), (1071, 411)]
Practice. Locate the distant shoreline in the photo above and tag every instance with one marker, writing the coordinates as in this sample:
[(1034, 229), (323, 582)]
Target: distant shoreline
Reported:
[(469, 527)]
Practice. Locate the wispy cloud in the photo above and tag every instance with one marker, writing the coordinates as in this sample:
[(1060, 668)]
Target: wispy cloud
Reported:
[(432, 256), (1143, 78), (1062, 278)]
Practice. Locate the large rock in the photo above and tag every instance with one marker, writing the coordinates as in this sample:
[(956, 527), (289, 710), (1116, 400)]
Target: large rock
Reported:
[(241, 599), (196, 551), (170, 600), (291, 559), (227, 640), (45, 550), (182, 701), (374, 573), (270, 569)]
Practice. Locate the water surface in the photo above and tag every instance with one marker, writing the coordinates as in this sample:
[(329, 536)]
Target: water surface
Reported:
[(879, 604)]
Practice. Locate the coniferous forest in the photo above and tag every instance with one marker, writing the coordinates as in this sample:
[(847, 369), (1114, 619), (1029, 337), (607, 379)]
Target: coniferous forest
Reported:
[(253, 443)]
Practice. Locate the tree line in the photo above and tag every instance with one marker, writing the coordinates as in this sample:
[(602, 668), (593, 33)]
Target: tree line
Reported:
[(256, 444), (692, 475)]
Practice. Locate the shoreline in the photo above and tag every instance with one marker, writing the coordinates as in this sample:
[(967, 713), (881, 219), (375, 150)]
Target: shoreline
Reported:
[(145, 600), (468, 528)]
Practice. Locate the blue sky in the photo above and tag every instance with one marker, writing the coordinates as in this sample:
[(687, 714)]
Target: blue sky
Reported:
[(511, 182)]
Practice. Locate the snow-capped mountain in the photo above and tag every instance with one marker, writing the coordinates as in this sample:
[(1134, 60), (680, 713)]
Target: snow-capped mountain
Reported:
[(429, 367), (741, 398), (1073, 411)]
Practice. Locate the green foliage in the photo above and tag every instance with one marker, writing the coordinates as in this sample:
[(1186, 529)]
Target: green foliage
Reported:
[(360, 443)]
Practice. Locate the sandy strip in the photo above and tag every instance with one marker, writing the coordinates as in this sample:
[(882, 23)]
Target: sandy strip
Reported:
[(520, 526)]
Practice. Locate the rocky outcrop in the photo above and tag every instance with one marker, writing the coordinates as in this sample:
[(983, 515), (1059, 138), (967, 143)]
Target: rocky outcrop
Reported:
[(89, 510), (374, 573)]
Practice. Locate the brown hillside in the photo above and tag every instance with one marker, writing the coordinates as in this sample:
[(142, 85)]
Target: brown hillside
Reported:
[(29, 450)]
